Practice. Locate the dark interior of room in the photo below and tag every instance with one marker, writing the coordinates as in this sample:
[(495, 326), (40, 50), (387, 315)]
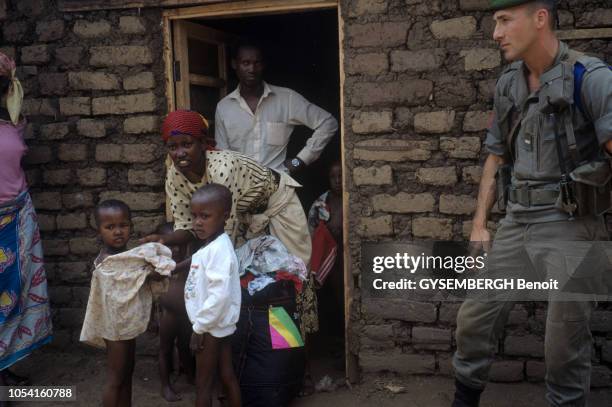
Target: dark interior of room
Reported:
[(301, 51)]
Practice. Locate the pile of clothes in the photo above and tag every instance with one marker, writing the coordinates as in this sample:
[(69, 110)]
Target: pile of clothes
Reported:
[(265, 260)]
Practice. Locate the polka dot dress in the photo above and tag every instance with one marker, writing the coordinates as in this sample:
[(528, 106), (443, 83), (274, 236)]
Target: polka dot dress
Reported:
[(250, 183)]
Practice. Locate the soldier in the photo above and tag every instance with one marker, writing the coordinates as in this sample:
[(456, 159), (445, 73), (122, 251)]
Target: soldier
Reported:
[(551, 142)]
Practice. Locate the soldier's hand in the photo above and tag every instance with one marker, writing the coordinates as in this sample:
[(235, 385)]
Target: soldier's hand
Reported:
[(480, 239)]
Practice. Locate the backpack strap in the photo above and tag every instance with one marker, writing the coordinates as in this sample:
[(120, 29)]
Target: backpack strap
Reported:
[(578, 64), (514, 114), (583, 65), (579, 70)]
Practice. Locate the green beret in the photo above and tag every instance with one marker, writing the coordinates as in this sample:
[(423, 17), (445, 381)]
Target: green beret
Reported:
[(502, 4)]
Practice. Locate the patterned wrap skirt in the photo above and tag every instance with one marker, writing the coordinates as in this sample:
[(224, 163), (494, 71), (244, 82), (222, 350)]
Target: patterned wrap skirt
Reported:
[(25, 314)]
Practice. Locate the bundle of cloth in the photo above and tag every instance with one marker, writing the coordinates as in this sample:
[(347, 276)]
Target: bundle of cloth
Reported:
[(268, 349), (121, 296), (265, 260)]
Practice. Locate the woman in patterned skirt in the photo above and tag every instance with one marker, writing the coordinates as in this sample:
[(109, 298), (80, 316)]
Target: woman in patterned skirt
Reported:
[(25, 316)]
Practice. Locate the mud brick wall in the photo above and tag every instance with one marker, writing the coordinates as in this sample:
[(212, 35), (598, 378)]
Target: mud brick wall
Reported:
[(94, 88), (418, 84), (418, 95)]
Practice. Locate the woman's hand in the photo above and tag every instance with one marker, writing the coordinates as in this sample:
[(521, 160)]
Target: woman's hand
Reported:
[(154, 238), (196, 343)]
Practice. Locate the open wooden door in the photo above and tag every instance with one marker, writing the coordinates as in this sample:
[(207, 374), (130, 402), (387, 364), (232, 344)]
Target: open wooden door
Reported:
[(200, 67), (199, 71)]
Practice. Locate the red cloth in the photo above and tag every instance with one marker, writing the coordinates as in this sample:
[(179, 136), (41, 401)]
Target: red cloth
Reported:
[(184, 122), (324, 251), (283, 275), (210, 145), (246, 279)]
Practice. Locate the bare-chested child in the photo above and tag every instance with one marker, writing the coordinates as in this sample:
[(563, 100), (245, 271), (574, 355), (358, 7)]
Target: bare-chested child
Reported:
[(174, 325), (212, 295), (114, 223)]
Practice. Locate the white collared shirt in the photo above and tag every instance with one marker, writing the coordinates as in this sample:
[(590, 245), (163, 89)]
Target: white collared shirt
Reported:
[(264, 134)]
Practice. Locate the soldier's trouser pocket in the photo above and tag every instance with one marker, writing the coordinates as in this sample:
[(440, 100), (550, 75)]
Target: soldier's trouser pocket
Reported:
[(568, 352)]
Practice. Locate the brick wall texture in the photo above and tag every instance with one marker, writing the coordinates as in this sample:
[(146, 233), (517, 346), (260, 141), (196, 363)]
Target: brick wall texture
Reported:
[(94, 95), (418, 84)]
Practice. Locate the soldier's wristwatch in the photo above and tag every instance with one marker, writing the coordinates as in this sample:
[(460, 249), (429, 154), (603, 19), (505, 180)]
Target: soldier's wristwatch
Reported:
[(296, 162)]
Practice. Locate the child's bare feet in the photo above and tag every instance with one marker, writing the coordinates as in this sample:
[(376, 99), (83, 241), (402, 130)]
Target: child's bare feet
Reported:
[(169, 394)]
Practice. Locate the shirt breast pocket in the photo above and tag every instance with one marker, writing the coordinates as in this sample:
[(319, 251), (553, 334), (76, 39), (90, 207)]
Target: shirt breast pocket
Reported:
[(238, 134), (548, 158), (278, 133), (525, 156)]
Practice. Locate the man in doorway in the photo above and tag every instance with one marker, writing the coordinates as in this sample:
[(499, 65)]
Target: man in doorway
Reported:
[(552, 141), (257, 118)]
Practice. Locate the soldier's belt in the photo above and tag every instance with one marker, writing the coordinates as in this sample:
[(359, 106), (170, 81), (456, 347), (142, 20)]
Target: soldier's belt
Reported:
[(532, 197)]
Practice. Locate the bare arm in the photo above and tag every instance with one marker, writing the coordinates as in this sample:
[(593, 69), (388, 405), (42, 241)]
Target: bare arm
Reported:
[(302, 112), (177, 238), (182, 267), (486, 199)]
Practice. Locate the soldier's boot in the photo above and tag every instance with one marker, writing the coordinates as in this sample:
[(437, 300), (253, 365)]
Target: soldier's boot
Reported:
[(466, 396)]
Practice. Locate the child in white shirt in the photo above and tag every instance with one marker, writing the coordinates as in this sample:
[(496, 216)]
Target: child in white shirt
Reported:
[(212, 294)]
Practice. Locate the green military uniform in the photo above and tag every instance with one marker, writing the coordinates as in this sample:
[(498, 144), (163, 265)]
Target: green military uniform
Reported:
[(534, 214)]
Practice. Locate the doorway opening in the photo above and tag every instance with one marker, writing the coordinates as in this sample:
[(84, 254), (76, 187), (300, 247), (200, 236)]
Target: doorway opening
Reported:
[(302, 53)]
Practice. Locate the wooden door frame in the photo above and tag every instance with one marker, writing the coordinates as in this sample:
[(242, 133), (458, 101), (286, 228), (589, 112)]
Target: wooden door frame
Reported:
[(267, 7), (187, 30), (238, 9)]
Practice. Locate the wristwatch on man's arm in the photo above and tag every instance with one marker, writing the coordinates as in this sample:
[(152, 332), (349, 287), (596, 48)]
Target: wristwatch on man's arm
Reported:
[(294, 164)]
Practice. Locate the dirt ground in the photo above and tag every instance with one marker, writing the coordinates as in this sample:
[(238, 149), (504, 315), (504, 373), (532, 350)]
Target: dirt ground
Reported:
[(86, 371)]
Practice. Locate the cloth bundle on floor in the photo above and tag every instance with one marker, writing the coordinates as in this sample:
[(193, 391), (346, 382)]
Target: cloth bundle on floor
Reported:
[(120, 299)]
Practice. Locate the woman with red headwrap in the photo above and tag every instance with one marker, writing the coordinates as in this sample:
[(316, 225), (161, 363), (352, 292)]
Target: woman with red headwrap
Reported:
[(25, 317), (262, 198)]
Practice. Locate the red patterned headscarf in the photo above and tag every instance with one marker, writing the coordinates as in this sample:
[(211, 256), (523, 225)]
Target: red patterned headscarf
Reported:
[(7, 65), (184, 122)]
